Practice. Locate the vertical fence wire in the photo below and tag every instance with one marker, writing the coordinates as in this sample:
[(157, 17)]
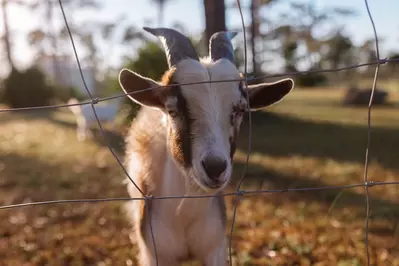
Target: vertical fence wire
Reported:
[(245, 82), (366, 185), (366, 162)]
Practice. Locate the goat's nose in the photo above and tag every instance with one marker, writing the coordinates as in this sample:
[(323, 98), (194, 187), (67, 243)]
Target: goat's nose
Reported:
[(214, 167)]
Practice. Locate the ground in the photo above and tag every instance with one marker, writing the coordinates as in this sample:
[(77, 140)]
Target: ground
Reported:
[(308, 140)]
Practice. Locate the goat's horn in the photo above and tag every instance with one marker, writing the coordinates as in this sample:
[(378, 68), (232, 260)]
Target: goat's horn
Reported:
[(177, 46), (220, 46)]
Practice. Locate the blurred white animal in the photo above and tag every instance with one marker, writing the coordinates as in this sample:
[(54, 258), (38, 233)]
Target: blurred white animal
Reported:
[(106, 113)]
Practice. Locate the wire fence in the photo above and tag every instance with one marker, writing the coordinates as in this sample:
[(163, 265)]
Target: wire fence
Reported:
[(239, 192)]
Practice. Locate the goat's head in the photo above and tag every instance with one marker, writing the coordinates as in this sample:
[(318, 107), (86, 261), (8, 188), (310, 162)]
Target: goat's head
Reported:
[(203, 120)]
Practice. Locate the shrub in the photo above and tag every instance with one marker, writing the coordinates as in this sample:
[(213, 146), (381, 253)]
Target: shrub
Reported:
[(27, 89), (311, 80), (63, 94)]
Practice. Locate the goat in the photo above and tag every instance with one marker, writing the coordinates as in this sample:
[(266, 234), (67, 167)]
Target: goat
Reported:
[(84, 115), (182, 142)]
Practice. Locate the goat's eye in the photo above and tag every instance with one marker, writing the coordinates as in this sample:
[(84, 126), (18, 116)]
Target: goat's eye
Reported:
[(239, 110), (172, 113)]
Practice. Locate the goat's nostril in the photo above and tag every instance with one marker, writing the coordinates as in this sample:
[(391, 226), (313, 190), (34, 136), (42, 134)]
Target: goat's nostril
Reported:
[(214, 167)]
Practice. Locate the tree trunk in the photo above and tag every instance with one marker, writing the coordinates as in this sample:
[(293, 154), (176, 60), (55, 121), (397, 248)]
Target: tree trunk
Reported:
[(53, 40), (161, 9), (215, 17), (254, 34), (7, 43)]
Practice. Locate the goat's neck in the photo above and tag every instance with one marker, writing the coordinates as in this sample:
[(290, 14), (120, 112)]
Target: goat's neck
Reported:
[(174, 183)]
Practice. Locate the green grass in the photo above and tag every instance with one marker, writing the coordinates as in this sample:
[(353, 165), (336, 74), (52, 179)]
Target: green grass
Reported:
[(308, 140)]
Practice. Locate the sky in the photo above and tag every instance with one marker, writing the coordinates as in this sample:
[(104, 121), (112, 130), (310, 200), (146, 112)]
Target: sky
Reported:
[(190, 14)]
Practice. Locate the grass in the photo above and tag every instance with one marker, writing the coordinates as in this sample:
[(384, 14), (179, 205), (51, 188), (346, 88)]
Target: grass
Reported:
[(308, 140)]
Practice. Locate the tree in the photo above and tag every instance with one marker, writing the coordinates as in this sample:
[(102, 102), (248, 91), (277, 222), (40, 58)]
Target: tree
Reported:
[(256, 21), (46, 38), (305, 18), (339, 51), (150, 62), (288, 46), (7, 34), (161, 11), (6, 37), (215, 17), (393, 66)]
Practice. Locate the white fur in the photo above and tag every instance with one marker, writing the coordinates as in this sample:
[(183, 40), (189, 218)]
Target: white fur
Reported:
[(85, 117), (179, 226)]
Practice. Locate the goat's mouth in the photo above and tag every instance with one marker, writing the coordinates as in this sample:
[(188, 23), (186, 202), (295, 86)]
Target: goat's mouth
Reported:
[(208, 185), (214, 184)]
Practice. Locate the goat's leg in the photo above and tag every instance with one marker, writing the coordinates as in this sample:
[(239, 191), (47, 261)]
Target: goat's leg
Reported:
[(145, 237), (88, 126), (81, 129), (146, 256), (81, 133), (217, 257)]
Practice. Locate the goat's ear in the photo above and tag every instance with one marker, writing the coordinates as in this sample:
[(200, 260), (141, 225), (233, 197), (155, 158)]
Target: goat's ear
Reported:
[(266, 94), (133, 83)]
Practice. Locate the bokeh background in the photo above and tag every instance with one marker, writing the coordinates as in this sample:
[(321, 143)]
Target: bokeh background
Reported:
[(316, 137)]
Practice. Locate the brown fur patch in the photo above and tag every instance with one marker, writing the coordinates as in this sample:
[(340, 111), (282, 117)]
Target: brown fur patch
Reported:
[(143, 216), (145, 208), (232, 141), (180, 131), (220, 202), (234, 123), (179, 128), (167, 77), (140, 146), (241, 86)]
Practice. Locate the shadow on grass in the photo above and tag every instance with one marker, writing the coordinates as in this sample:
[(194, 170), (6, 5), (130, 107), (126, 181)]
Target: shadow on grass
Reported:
[(28, 177), (113, 138), (261, 178), (276, 135), (10, 116), (279, 135)]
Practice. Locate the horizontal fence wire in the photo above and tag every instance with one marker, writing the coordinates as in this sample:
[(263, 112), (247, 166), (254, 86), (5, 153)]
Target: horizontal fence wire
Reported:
[(239, 192), (231, 194)]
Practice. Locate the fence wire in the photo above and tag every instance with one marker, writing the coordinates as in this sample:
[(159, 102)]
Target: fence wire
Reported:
[(239, 192)]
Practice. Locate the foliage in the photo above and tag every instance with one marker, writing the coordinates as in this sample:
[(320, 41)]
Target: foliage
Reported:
[(31, 88), (393, 66), (311, 80), (63, 94), (150, 62), (340, 48), (27, 89)]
